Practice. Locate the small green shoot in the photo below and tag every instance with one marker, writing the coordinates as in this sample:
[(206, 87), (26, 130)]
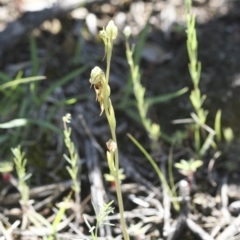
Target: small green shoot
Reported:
[(73, 170), (20, 164), (138, 49), (73, 160), (153, 129), (196, 98), (143, 104), (188, 167), (100, 217), (59, 217)]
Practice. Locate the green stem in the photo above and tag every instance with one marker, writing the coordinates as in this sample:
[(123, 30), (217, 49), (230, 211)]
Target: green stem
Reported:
[(120, 205), (96, 231), (117, 181), (157, 169), (197, 138), (109, 55), (116, 157)]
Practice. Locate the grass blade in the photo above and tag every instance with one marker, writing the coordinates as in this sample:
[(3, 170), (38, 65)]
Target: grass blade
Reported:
[(63, 81), (156, 168), (217, 125), (166, 97), (20, 81)]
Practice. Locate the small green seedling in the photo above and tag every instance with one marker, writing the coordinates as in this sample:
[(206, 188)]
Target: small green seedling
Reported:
[(100, 217), (188, 168), (73, 158), (20, 165), (73, 161)]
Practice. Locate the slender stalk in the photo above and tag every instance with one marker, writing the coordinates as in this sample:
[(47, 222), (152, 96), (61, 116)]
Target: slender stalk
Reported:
[(121, 208), (116, 157), (100, 81), (197, 138), (109, 56)]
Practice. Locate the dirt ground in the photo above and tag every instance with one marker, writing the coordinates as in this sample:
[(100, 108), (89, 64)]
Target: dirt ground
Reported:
[(67, 47)]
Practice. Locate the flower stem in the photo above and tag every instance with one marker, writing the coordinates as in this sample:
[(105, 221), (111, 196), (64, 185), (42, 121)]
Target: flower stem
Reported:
[(121, 209), (111, 115)]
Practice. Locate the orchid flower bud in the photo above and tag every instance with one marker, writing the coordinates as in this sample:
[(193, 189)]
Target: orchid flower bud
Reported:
[(111, 145), (127, 31), (111, 30), (97, 76)]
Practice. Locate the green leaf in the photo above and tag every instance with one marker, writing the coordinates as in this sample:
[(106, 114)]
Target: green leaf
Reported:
[(20, 81), (60, 213), (156, 168), (63, 81), (217, 125), (67, 158), (197, 163), (14, 123), (26, 177), (166, 97), (179, 166)]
